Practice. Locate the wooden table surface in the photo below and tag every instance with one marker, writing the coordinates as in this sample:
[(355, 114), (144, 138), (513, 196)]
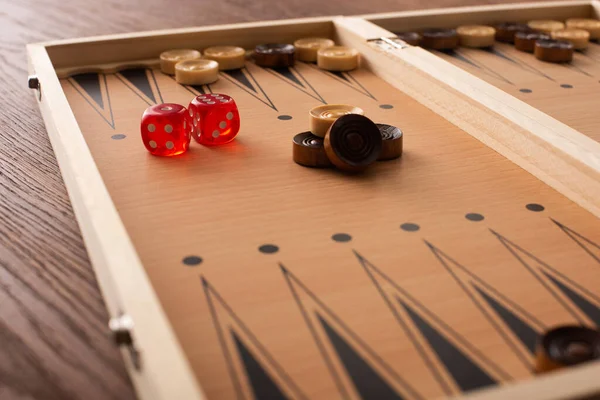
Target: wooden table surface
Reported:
[(53, 325)]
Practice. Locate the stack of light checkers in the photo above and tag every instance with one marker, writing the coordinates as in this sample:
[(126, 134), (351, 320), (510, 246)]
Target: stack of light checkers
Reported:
[(191, 67), (552, 41), (341, 136)]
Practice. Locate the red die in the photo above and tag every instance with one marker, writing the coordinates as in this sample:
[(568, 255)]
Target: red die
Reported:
[(165, 129), (215, 119)]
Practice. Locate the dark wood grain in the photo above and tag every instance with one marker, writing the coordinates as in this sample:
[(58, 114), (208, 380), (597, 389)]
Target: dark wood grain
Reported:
[(53, 336)]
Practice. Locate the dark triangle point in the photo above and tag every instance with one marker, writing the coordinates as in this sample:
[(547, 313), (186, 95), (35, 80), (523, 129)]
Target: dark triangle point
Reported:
[(520, 254), (586, 307), (90, 83), (261, 380), (525, 67), (465, 59), (239, 76), (359, 256), (283, 268), (581, 71), (500, 54), (198, 88), (287, 73), (498, 303), (366, 381), (586, 244), (465, 372), (347, 79), (326, 318), (244, 79), (263, 387), (372, 271), (340, 75), (526, 334), (462, 58), (138, 77), (430, 245), (293, 77)]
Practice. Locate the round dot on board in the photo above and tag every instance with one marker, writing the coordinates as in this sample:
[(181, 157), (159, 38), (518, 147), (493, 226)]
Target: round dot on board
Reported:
[(215, 133), (535, 207), (152, 144), (474, 217), (229, 115), (341, 237), (386, 106), (118, 136), (566, 86), (192, 261), (168, 128), (151, 128), (169, 145), (268, 249), (222, 124), (410, 227), (284, 117), (525, 90)]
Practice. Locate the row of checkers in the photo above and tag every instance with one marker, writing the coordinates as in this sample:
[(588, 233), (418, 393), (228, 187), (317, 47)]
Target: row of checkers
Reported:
[(192, 67), (549, 40)]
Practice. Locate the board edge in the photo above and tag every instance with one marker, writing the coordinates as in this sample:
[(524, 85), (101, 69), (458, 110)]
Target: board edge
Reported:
[(164, 372)]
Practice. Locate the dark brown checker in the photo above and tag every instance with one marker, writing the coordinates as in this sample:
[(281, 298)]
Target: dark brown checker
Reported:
[(567, 346), (308, 150), (550, 50), (274, 55), (506, 31), (439, 39)]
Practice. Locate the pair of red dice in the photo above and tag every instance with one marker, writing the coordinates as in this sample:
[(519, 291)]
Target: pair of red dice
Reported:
[(212, 119)]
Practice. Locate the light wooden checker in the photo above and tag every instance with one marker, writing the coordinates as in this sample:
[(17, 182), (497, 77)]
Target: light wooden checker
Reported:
[(222, 204)]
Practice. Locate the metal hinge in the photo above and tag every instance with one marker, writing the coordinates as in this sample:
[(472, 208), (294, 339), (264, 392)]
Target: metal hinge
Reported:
[(121, 328), (34, 83), (392, 43)]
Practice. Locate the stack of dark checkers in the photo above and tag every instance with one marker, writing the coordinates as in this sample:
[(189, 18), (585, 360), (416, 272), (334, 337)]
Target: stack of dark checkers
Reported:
[(341, 136)]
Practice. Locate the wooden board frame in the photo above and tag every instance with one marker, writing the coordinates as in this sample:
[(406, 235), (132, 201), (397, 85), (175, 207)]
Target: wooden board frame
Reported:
[(571, 165), (561, 157)]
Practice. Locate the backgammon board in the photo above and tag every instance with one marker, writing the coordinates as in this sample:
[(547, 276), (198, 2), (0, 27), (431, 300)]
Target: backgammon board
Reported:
[(232, 272)]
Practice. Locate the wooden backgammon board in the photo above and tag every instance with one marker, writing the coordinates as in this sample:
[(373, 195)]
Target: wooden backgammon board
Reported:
[(232, 272)]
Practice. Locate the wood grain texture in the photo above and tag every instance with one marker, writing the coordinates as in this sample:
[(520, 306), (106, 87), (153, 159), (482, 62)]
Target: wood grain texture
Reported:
[(54, 341)]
